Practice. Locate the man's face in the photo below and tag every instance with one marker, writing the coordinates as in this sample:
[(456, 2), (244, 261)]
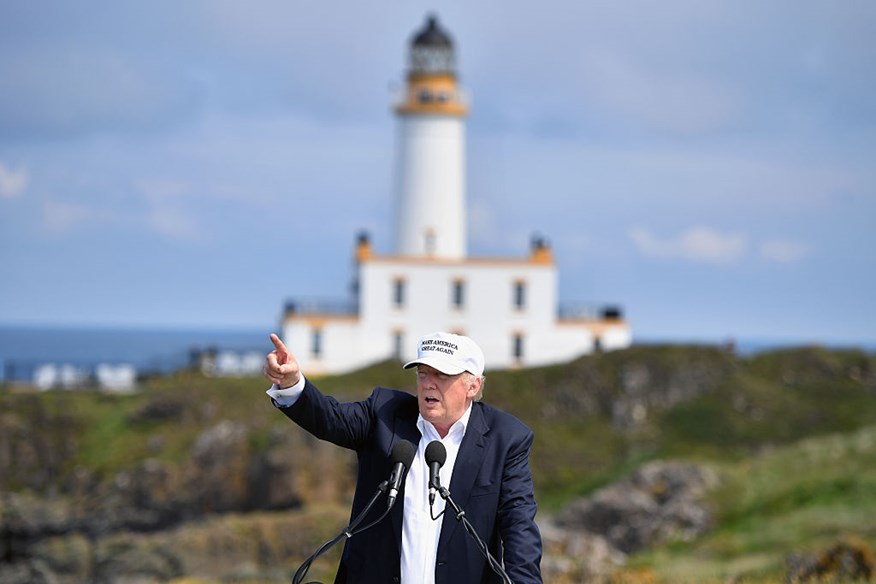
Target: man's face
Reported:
[(444, 398)]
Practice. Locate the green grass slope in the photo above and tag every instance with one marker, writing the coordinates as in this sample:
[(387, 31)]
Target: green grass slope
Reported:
[(800, 499)]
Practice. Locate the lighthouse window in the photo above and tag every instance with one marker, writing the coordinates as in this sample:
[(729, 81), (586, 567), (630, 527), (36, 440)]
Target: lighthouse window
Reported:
[(316, 342), (457, 294), (424, 96), (442, 97), (398, 292), (519, 295), (517, 346), (398, 338)]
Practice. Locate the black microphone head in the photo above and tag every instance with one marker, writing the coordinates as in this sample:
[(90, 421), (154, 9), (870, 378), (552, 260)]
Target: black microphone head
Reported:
[(435, 452), (403, 451)]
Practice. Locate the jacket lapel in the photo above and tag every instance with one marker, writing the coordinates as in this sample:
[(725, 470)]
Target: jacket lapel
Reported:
[(465, 470)]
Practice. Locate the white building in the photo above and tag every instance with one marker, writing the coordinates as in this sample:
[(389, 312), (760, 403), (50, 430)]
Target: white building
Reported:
[(509, 306)]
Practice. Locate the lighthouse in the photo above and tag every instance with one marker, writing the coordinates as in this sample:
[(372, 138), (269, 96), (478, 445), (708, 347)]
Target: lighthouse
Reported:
[(429, 282), (430, 216)]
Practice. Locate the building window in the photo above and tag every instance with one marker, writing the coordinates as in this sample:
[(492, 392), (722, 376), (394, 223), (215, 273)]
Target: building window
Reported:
[(517, 347), (457, 294), (429, 241), (316, 342), (398, 340), (398, 292), (519, 299)]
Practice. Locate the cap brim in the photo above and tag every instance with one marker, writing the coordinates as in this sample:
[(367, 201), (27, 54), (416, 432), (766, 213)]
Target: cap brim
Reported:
[(438, 364)]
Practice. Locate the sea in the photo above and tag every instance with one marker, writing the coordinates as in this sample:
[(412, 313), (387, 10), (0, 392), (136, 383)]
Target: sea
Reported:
[(77, 354), (26, 351)]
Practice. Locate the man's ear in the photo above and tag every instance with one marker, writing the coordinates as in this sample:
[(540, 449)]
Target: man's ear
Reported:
[(474, 387)]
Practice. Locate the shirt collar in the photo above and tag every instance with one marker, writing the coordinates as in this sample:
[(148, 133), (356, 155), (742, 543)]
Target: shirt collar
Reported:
[(459, 426)]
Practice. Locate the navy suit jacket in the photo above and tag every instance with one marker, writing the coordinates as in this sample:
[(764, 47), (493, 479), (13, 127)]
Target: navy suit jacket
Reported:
[(491, 482)]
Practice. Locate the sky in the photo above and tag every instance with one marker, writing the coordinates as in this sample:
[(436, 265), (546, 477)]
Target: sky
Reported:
[(707, 166)]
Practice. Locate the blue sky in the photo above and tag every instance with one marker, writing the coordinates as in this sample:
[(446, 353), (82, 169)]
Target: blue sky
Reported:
[(708, 166)]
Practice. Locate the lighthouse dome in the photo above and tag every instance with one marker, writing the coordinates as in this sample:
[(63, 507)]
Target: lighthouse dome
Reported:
[(432, 50), (433, 35)]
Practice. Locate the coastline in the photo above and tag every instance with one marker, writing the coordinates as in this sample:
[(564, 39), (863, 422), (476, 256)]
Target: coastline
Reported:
[(163, 350)]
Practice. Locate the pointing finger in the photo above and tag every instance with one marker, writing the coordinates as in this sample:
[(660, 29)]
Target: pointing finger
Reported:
[(282, 352)]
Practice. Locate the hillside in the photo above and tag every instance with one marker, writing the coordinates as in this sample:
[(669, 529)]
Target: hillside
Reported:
[(155, 483)]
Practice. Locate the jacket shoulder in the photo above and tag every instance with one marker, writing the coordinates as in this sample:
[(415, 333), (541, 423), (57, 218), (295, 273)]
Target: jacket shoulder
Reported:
[(498, 420), (384, 395)]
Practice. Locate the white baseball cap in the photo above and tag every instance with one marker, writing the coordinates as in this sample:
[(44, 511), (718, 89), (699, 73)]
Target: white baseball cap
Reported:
[(449, 353)]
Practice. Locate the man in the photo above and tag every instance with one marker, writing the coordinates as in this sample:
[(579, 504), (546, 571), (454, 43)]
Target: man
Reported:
[(486, 469)]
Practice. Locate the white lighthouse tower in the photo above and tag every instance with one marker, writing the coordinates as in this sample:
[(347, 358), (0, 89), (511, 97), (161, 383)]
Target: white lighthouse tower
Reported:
[(430, 182)]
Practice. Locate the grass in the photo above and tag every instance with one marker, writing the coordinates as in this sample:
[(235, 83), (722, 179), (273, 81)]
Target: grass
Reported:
[(800, 498)]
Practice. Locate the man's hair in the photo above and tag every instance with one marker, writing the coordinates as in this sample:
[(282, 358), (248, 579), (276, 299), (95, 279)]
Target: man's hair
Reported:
[(471, 378)]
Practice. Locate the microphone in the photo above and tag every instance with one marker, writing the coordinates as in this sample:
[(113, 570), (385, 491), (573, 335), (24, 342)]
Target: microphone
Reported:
[(436, 455), (402, 455)]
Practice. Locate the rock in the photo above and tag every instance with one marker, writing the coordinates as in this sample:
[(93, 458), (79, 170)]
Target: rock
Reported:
[(660, 502), (848, 560), (30, 572), (69, 558), (126, 557), (628, 386), (576, 556)]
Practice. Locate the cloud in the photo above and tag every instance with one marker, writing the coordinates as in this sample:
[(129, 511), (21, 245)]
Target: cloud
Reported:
[(783, 251), (61, 217), (12, 182), (697, 244), (175, 223), (172, 209)]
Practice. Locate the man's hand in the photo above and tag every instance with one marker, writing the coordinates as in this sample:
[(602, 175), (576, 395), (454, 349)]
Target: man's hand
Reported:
[(281, 367)]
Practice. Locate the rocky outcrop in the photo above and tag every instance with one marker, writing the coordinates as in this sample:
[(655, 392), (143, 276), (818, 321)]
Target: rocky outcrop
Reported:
[(627, 387), (575, 555), (850, 559), (662, 501), (59, 541), (586, 542), (230, 547), (223, 473)]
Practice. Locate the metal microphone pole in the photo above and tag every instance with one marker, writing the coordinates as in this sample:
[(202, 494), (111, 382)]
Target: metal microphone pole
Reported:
[(460, 516), (402, 455), (347, 532)]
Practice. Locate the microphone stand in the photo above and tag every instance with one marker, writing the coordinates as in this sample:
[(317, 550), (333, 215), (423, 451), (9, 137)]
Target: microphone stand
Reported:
[(460, 516), (347, 532)]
